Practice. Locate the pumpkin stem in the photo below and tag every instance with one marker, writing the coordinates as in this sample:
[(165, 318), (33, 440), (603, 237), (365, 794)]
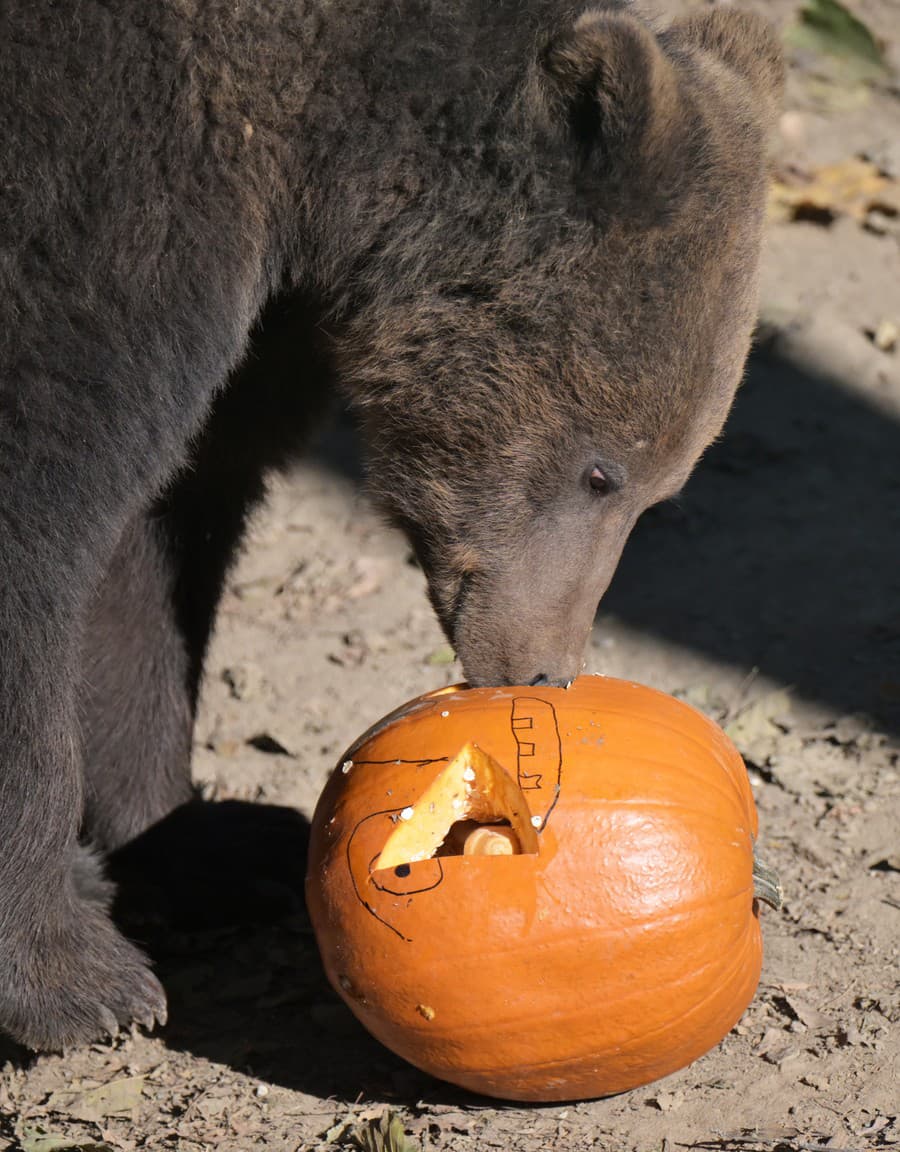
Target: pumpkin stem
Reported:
[(766, 885), (491, 840)]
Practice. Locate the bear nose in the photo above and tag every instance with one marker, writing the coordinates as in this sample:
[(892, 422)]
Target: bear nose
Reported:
[(542, 680)]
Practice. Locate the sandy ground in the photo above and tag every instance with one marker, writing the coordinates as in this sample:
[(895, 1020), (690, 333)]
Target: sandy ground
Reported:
[(770, 597)]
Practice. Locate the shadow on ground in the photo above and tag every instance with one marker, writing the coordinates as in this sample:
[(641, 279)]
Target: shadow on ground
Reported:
[(784, 553), (215, 895)]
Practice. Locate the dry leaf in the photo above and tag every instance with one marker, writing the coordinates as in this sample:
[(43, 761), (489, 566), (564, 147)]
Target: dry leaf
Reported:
[(118, 1098), (759, 723), (443, 654), (36, 1140), (842, 48), (385, 1134), (852, 188), (807, 1014)]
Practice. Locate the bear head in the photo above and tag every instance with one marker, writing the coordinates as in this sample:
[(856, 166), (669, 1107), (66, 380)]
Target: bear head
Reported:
[(559, 317)]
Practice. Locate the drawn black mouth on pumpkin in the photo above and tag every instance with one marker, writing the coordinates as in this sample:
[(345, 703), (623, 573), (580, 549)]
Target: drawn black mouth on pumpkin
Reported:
[(472, 808)]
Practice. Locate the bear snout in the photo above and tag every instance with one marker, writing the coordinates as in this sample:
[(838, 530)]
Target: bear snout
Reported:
[(526, 619), (503, 641)]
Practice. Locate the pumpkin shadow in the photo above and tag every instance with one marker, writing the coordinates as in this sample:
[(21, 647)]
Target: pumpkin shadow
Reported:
[(214, 894)]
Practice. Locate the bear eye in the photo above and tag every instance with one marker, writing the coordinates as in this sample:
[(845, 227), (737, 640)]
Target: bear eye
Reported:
[(599, 481)]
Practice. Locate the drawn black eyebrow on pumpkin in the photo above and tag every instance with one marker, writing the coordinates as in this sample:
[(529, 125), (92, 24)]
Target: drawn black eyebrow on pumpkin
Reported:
[(394, 760)]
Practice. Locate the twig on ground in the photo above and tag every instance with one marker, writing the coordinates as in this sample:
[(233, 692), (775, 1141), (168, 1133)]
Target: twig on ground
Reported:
[(748, 1141)]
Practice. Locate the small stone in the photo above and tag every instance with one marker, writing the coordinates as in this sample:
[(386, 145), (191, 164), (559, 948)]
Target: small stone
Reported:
[(353, 651), (267, 743), (808, 1014), (243, 680), (780, 1055), (667, 1101), (880, 223), (886, 335), (262, 1091), (792, 128)]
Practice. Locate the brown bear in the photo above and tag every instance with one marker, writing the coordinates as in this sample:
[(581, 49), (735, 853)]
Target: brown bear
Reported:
[(521, 239)]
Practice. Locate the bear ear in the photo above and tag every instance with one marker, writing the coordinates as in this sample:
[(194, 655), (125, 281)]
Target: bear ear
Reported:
[(609, 77), (743, 41)]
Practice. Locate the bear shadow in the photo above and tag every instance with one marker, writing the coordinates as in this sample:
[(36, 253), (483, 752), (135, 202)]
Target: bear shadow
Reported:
[(214, 895), (783, 554)]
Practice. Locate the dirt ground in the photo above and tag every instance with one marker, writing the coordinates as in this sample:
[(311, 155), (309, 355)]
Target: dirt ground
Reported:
[(769, 597)]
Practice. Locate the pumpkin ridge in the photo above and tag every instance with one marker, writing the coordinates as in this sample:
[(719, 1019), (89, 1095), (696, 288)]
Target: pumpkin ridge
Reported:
[(731, 793), (643, 1036), (561, 939), (636, 802), (721, 755), (728, 975)]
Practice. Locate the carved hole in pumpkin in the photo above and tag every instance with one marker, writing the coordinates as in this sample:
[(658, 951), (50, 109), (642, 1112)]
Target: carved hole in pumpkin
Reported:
[(472, 808), (471, 838)]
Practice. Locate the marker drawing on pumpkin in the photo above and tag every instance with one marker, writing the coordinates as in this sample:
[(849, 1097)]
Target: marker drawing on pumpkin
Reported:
[(421, 763), (539, 763), (539, 758), (383, 885)]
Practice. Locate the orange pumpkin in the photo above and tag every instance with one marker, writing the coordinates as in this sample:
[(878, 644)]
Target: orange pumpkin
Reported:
[(540, 893)]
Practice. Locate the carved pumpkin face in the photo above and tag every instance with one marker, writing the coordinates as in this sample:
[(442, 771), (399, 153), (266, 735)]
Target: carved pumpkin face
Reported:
[(540, 894)]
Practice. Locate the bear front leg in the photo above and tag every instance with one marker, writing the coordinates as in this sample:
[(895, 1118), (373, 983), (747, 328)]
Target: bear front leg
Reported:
[(138, 685), (150, 620), (67, 976), (71, 465)]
